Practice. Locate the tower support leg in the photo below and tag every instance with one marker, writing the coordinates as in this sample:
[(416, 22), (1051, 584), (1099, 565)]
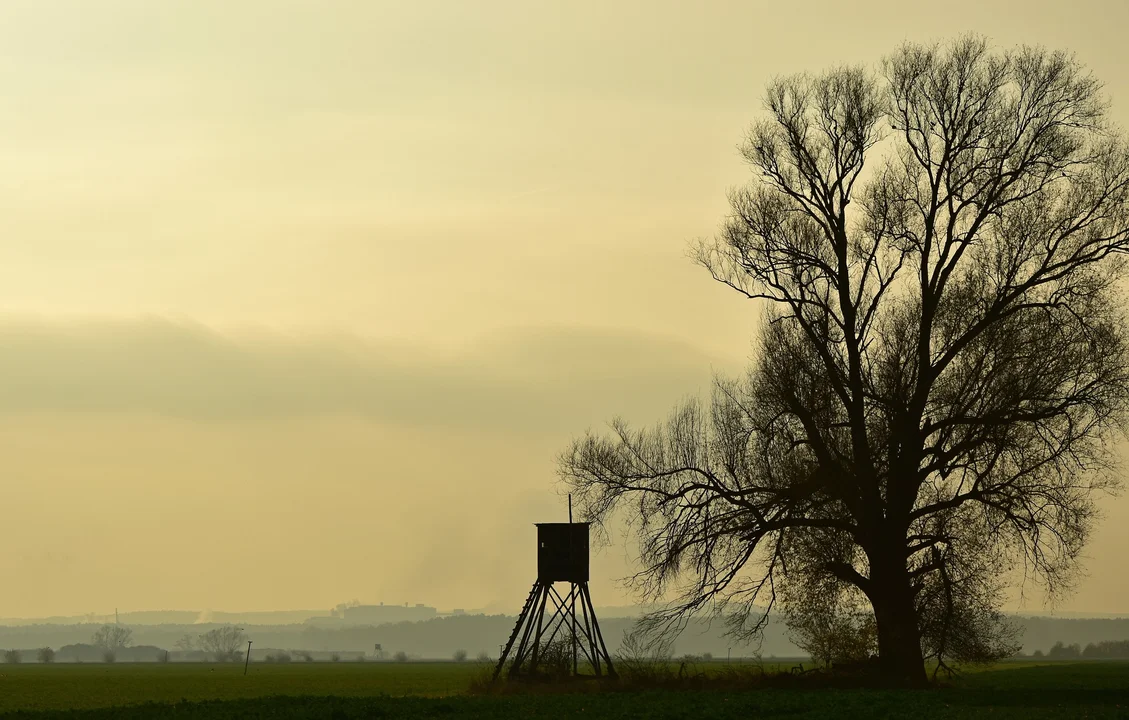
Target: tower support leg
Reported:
[(533, 633)]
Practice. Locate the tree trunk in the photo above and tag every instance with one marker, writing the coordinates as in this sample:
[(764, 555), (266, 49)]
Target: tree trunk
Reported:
[(899, 637)]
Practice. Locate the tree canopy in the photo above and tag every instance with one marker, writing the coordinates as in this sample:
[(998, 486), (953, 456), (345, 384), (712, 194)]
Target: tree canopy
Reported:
[(936, 248)]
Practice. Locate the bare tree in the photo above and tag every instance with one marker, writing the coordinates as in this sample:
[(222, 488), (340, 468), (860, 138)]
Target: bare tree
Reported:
[(940, 370), (111, 639), (46, 655), (223, 643)]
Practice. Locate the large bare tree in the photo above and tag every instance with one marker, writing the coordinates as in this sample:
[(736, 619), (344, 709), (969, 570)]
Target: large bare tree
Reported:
[(941, 369)]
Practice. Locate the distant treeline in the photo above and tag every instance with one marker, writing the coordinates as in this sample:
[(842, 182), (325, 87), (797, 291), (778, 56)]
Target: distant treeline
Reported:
[(1105, 650), (483, 634), (1041, 633), (436, 638)]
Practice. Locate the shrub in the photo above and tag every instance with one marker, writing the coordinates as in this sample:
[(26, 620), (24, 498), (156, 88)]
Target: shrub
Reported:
[(832, 634), (555, 661), (279, 658), (335, 658), (484, 657), (109, 656), (46, 655), (644, 654), (460, 655), (12, 656), (400, 656)]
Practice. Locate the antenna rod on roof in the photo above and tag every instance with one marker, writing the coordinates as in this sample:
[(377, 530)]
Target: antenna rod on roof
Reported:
[(570, 508)]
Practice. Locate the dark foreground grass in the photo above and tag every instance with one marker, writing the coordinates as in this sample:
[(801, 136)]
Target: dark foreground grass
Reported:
[(1083, 690), (88, 686)]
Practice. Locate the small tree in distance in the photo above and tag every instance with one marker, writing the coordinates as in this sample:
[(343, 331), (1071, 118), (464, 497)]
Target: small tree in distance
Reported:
[(12, 657), (223, 643), (400, 656), (110, 639), (460, 656), (46, 655)]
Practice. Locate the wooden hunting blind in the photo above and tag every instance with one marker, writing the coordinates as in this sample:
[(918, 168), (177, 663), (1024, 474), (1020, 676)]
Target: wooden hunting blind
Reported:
[(562, 557), (562, 552)]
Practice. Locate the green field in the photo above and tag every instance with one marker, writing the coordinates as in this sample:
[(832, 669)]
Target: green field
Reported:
[(64, 687), (419, 690)]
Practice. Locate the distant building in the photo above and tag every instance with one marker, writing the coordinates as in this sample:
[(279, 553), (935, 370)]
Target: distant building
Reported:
[(378, 614)]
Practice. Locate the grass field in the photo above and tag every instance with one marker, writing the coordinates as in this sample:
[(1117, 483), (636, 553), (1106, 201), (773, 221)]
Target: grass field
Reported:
[(424, 690), (63, 687)]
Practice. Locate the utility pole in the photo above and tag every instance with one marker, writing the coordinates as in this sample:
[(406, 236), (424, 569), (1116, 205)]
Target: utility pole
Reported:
[(248, 660)]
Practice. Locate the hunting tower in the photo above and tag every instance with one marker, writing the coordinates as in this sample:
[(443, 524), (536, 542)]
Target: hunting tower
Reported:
[(562, 557)]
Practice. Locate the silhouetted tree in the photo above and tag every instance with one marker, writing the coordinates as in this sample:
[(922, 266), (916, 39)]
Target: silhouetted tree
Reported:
[(941, 365), (110, 639), (46, 655), (223, 643), (12, 657)]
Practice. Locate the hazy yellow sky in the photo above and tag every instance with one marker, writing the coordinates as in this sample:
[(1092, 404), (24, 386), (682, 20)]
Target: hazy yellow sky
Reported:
[(301, 298)]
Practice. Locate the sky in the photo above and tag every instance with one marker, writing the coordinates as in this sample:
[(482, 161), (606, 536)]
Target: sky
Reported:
[(299, 299)]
